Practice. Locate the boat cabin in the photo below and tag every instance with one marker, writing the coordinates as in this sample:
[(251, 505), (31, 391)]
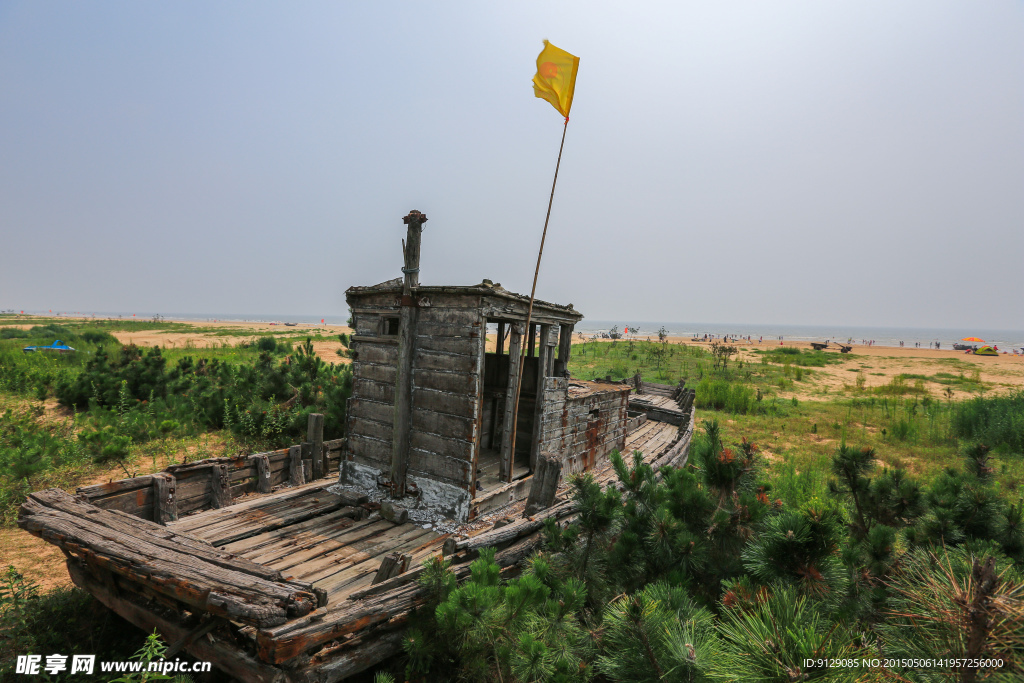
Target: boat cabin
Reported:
[(433, 416)]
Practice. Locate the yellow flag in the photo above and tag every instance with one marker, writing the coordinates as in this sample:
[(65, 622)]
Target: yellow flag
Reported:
[(556, 77)]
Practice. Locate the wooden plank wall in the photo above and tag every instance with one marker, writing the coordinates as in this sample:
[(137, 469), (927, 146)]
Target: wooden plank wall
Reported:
[(571, 431), (447, 366), (374, 361), (193, 482), (447, 375)]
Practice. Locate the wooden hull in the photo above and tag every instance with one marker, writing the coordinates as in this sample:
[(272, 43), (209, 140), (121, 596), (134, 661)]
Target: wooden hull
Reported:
[(286, 586)]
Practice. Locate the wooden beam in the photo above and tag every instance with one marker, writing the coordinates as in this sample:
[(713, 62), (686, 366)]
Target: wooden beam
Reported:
[(564, 345), (406, 343), (315, 436), (165, 505), (514, 353), (262, 466), (295, 474), (232, 661), (392, 565), (199, 631), (544, 352), (209, 580), (546, 478), (112, 487), (478, 412), (220, 486), (530, 346)]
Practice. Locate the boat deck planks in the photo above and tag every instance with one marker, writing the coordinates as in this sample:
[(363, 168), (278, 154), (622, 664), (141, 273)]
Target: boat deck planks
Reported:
[(655, 401), (306, 532), (651, 437), (488, 472)]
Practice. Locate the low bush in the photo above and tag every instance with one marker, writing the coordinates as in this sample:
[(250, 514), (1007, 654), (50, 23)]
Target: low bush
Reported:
[(702, 576), (721, 394), (64, 620), (997, 421)]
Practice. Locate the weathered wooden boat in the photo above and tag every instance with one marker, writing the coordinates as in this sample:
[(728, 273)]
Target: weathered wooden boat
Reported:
[(301, 564)]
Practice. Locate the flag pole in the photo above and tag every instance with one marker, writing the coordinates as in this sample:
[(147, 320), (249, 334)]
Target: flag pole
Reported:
[(529, 311)]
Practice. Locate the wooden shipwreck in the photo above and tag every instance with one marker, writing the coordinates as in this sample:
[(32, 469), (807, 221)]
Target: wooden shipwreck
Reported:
[(300, 564), (432, 408)]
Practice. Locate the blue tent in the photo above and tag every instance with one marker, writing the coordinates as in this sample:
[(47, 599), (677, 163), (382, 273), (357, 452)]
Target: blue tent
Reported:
[(58, 346)]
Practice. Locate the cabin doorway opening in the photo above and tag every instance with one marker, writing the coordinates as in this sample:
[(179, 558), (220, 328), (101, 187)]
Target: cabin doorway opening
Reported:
[(496, 466)]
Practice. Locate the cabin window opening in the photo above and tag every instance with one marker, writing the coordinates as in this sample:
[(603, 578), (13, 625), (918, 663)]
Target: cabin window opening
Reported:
[(595, 413), (389, 326)]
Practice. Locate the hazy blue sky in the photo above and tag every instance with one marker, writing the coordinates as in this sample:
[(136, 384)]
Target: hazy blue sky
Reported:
[(856, 163)]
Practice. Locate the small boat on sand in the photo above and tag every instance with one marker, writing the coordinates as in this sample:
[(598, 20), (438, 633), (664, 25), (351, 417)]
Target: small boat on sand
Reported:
[(56, 347)]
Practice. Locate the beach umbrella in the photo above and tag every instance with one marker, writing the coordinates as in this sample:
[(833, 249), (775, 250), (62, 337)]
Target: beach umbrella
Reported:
[(972, 339)]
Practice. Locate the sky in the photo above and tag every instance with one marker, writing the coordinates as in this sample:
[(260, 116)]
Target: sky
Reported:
[(835, 163)]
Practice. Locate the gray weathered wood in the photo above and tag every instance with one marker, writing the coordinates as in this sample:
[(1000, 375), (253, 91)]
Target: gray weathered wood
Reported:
[(394, 513), (564, 346), (392, 565), (101, 538), (514, 355), (199, 631), (119, 486), (406, 351), (546, 478), (235, 662), (315, 437), (262, 468), (543, 354), (389, 610), (220, 486), (296, 476), (165, 507)]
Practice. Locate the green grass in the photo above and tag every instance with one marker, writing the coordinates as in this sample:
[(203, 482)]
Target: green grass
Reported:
[(670, 363), (802, 357), (908, 428), (997, 421), (137, 407)]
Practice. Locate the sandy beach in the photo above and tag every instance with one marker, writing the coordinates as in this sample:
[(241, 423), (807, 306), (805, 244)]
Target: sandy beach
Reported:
[(209, 334), (880, 364)]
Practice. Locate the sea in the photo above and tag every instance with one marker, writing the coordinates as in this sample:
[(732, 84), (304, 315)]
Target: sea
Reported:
[(925, 337), (641, 329)]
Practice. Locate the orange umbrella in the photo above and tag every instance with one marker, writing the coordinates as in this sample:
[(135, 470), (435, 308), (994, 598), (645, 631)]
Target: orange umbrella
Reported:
[(974, 339)]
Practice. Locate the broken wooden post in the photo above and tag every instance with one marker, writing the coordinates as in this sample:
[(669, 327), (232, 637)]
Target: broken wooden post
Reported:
[(546, 478), (686, 400), (261, 462), (166, 508), (220, 486), (295, 474), (406, 339), (392, 565), (543, 351), (315, 436), (499, 340), (638, 383), (564, 350), (394, 513), (507, 445)]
